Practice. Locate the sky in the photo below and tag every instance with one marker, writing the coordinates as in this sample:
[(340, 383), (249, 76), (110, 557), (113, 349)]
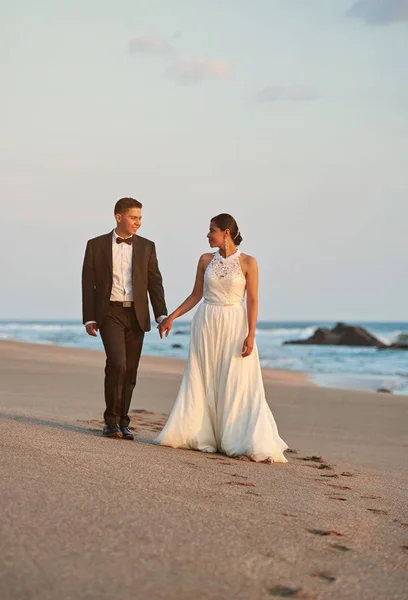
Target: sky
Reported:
[(292, 115)]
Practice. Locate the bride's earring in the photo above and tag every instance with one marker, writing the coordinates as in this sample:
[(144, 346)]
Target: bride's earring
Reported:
[(225, 245)]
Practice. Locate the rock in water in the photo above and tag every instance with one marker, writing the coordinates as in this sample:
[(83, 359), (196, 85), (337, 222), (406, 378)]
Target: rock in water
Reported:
[(341, 335), (396, 346)]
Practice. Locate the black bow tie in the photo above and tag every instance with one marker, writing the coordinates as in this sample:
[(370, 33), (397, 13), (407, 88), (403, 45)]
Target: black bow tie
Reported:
[(120, 240)]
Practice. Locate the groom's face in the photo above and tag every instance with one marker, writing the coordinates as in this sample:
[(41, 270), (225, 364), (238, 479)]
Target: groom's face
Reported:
[(129, 222)]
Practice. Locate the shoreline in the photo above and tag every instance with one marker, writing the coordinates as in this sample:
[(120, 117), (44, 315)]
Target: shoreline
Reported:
[(168, 364), (44, 380)]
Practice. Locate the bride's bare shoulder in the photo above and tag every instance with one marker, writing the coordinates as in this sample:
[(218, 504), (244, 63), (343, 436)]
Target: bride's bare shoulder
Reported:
[(248, 264), (248, 260), (206, 258)]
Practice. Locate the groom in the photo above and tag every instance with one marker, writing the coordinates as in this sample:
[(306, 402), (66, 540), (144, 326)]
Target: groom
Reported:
[(120, 269)]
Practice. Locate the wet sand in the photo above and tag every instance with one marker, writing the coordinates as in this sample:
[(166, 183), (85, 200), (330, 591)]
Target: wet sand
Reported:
[(88, 517)]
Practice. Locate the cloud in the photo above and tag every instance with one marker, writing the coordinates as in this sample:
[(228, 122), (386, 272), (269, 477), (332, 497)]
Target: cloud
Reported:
[(149, 45), (289, 93), (200, 69), (379, 12)]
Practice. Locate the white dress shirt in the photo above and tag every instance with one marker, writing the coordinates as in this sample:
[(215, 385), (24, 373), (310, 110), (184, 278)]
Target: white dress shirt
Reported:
[(122, 254), (122, 288)]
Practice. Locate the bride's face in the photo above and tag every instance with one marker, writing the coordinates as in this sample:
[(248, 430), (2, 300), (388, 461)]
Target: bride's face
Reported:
[(216, 236)]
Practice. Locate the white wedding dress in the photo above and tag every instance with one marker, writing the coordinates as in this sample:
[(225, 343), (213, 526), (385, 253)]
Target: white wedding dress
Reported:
[(221, 405)]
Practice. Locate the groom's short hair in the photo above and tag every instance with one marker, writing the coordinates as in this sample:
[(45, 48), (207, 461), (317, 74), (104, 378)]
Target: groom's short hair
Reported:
[(124, 204)]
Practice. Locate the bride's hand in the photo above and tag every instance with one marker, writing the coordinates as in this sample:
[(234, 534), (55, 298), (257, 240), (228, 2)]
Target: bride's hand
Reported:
[(248, 346), (165, 327)]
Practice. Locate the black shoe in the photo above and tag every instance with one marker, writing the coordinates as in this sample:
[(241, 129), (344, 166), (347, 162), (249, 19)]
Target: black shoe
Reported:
[(126, 433), (112, 431)]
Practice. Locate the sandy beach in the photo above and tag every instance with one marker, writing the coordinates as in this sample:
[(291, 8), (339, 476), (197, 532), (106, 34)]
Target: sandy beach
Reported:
[(88, 517)]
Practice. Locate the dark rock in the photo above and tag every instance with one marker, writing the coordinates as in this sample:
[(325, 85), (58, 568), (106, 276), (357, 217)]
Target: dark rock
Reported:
[(396, 346), (384, 390), (342, 335), (176, 346)]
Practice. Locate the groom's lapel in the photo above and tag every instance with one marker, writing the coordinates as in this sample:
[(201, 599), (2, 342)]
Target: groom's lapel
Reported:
[(136, 260), (107, 247)]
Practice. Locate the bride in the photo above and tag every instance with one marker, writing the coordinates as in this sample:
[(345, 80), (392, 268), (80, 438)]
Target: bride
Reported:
[(221, 405)]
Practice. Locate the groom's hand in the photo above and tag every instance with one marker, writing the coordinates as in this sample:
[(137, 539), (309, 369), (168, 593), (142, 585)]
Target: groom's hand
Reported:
[(91, 329)]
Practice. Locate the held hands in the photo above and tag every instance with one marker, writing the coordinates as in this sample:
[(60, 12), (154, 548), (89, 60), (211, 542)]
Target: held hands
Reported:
[(248, 346), (165, 327), (91, 329)]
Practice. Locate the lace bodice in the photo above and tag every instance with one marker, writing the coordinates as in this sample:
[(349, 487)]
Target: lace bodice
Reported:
[(224, 281)]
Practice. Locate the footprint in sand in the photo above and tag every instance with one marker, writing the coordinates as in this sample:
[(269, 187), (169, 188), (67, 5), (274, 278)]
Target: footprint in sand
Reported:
[(328, 475), (237, 475), (340, 487), (243, 483), (325, 576), (224, 461), (400, 522), (371, 497), (378, 511), (325, 532), (318, 462), (347, 474), (289, 592), (315, 465), (340, 547), (337, 498), (283, 591), (291, 451), (321, 462)]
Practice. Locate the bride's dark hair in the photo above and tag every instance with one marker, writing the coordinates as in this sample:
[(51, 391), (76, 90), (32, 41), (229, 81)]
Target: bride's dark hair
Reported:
[(225, 221)]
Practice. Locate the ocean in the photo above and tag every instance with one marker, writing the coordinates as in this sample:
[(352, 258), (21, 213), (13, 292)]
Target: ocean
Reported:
[(342, 367)]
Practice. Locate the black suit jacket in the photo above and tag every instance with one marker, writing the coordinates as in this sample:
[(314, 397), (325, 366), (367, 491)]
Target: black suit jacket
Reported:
[(97, 275)]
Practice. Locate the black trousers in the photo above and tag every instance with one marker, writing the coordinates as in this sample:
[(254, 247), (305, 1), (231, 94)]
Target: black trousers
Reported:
[(122, 338)]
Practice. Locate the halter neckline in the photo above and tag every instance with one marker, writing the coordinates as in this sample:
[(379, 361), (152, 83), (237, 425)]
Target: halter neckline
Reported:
[(219, 257)]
